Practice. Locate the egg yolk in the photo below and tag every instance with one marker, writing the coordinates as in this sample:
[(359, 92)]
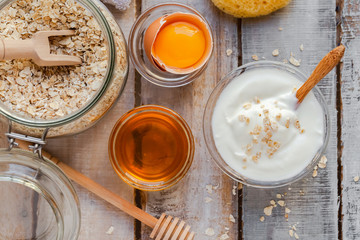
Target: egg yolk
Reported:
[(179, 45)]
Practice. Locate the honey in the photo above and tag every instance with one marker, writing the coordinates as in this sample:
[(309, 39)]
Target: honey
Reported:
[(151, 147)]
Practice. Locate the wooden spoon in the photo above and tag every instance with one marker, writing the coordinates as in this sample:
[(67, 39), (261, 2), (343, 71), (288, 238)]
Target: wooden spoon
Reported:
[(322, 69), (164, 228)]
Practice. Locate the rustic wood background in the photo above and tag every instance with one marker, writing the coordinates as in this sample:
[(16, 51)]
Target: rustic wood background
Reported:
[(324, 207)]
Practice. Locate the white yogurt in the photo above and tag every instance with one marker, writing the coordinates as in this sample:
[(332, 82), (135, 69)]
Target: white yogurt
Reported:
[(258, 130)]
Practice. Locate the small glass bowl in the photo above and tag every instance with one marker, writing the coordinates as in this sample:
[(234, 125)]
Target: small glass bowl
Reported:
[(208, 134), (127, 152), (139, 57)]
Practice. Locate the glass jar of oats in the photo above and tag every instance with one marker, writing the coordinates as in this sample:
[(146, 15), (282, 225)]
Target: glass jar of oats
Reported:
[(61, 100)]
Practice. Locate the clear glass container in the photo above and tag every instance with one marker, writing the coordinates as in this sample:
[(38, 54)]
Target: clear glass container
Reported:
[(38, 202), (137, 53), (151, 147), (208, 134), (107, 94)]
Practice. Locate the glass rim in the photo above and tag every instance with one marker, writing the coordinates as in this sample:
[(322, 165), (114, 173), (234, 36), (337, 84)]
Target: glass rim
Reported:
[(208, 134), (157, 186), (186, 78), (107, 31)]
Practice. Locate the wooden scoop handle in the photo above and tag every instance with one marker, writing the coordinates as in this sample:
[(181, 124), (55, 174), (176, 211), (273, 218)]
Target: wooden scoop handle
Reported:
[(99, 190), (322, 69), (38, 49), (14, 49)]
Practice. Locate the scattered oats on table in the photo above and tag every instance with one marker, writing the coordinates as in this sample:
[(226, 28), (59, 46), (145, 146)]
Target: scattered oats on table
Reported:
[(262, 218), (225, 236), (301, 47), (275, 53), (255, 57), (110, 230), (228, 52), (231, 218), (322, 162), (210, 232), (294, 61), (209, 188), (314, 174), (234, 189), (356, 178), (268, 210), (287, 210), (281, 203)]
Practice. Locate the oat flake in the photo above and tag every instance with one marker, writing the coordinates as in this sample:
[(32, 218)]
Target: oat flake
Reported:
[(209, 188), (322, 162), (294, 61), (301, 47), (228, 52), (110, 230), (296, 235), (224, 236), (210, 232), (287, 210), (281, 203), (275, 53), (268, 210), (231, 218)]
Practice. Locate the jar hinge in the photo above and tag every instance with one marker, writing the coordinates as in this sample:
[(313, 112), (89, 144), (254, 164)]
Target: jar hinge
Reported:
[(38, 143)]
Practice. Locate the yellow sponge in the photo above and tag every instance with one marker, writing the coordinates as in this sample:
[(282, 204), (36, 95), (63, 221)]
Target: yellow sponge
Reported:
[(249, 8)]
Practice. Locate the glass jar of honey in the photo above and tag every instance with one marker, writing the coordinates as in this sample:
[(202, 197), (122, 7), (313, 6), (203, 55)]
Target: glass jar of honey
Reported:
[(151, 147)]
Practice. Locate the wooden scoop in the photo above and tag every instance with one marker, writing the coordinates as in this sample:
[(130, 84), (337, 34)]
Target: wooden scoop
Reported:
[(164, 228), (38, 49), (322, 69)]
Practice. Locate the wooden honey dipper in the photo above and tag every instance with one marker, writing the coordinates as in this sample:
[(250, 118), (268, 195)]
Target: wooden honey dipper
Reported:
[(164, 228), (322, 69)]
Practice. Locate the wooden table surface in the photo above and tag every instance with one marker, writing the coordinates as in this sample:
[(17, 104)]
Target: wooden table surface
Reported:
[(322, 207)]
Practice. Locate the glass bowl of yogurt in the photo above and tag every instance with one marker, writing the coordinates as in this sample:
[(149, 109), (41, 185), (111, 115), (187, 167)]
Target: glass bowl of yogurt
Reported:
[(256, 131)]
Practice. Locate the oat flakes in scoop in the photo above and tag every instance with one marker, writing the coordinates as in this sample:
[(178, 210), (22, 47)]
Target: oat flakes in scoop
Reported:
[(52, 92)]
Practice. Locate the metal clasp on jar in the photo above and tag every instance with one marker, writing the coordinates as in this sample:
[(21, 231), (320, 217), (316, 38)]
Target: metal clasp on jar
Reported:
[(38, 143)]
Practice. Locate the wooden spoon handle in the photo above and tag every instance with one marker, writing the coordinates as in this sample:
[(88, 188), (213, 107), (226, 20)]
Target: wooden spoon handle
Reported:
[(99, 190), (15, 49), (322, 69)]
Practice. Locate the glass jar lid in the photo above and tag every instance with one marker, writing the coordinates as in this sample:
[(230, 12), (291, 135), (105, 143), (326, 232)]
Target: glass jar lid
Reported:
[(37, 200)]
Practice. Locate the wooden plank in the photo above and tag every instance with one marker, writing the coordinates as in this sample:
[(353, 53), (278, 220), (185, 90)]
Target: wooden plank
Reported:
[(186, 200), (350, 133), (87, 153), (312, 201)]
